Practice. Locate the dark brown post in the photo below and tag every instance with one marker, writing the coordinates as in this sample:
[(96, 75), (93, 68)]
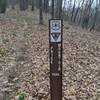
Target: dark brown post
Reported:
[(53, 9), (55, 51)]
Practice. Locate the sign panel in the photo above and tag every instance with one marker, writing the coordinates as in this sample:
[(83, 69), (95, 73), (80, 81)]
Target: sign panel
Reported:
[(55, 37), (55, 30), (55, 26)]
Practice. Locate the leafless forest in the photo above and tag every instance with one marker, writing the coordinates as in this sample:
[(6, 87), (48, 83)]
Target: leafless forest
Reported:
[(24, 48)]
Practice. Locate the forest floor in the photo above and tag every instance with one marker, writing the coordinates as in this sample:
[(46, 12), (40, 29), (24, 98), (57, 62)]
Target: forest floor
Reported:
[(24, 61)]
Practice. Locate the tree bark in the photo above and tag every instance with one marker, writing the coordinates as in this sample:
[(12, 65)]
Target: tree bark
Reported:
[(73, 10), (58, 9), (3, 6), (86, 15), (41, 12), (95, 16), (13, 3), (33, 5), (76, 13), (53, 9), (23, 4)]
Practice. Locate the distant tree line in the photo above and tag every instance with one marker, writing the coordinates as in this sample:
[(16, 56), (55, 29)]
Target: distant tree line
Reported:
[(85, 13), (42, 5)]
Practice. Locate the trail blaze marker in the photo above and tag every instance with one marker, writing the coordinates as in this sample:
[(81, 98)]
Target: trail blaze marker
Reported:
[(55, 26), (55, 51), (55, 30)]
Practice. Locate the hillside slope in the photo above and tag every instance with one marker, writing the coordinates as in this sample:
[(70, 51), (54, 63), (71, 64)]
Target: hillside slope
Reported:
[(24, 64)]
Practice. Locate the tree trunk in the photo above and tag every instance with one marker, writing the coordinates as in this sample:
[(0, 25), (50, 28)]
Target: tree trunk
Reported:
[(23, 4), (53, 9), (32, 5), (81, 13), (76, 13), (73, 10), (86, 15), (41, 12), (13, 3), (46, 5), (58, 13), (95, 16), (3, 5)]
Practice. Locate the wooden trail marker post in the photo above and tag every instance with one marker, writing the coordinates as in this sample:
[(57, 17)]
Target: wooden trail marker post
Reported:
[(55, 53)]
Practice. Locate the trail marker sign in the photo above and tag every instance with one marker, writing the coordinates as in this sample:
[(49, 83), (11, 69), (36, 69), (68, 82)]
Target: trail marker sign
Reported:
[(55, 57), (55, 30), (55, 26)]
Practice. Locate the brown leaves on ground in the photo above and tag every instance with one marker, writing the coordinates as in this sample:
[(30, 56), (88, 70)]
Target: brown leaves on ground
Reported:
[(24, 62)]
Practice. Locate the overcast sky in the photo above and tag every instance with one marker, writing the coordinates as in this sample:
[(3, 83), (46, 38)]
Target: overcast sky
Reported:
[(77, 1)]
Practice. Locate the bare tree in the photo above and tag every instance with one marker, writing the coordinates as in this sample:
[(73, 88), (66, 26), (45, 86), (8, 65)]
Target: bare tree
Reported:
[(87, 10), (23, 4), (76, 12), (69, 4), (46, 5), (3, 6), (95, 15), (33, 5), (53, 9), (58, 8), (41, 11), (81, 12), (73, 10), (13, 3)]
